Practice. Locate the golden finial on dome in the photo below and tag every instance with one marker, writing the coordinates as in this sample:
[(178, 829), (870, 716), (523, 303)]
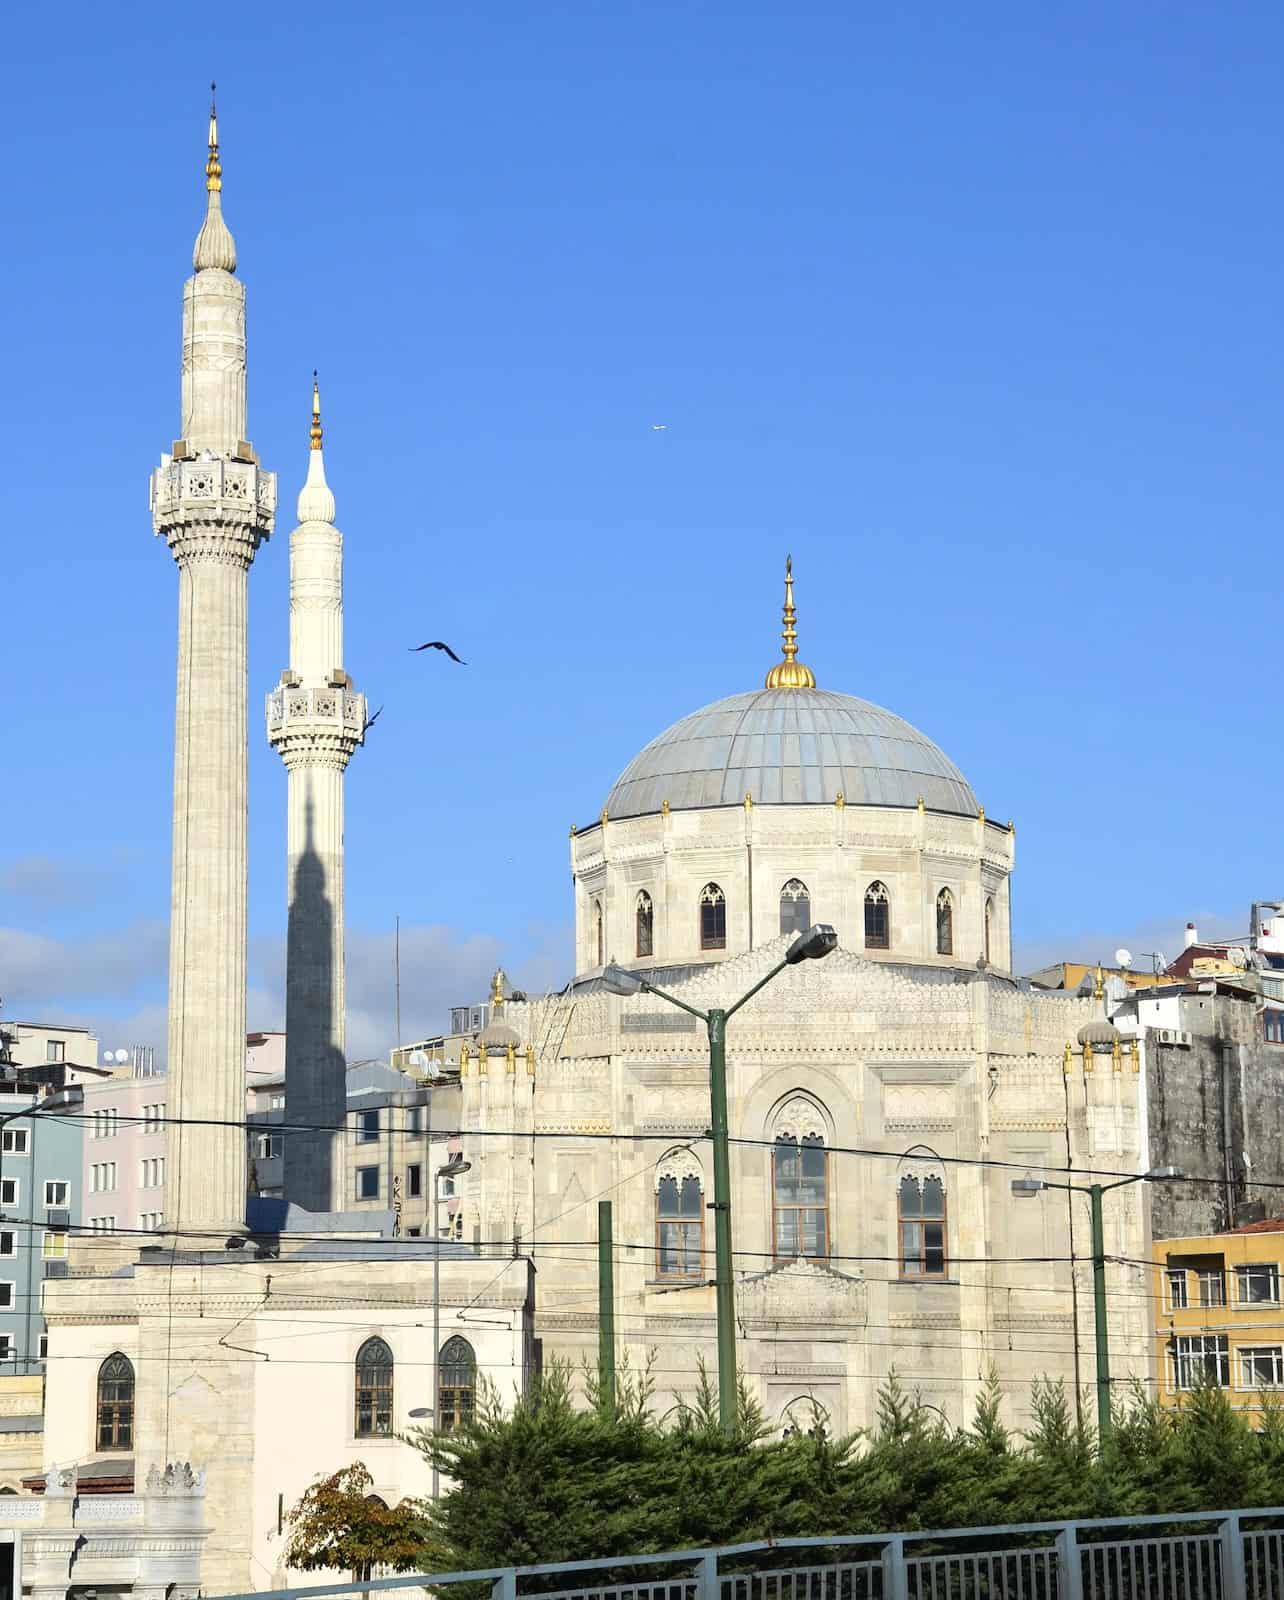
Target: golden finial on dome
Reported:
[(497, 987), (213, 166), (790, 673), (1099, 984), (316, 411)]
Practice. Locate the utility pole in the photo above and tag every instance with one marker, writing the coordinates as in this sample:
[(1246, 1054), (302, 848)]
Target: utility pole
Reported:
[(1099, 1310), (605, 1310), (724, 1284)]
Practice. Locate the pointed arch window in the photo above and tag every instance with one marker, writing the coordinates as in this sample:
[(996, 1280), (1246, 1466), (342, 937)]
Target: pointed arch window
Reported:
[(456, 1384), (945, 923), (373, 1408), (599, 935), (920, 1209), (679, 1226), (878, 917), (713, 918), (795, 907), (644, 925), (989, 926), (800, 1197), (115, 1429)]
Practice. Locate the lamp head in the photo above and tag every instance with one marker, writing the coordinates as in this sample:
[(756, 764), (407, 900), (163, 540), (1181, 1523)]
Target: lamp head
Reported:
[(69, 1099), (1021, 1186), (421, 1412), (454, 1167), (813, 945), (1164, 1175), (618, 980)]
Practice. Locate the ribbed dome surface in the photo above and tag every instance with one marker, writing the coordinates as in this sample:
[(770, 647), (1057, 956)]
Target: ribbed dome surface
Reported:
[(790, 747)]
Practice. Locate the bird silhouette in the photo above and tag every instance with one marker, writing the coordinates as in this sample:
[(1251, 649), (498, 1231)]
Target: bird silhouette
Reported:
[(438, 644), (370, 721)]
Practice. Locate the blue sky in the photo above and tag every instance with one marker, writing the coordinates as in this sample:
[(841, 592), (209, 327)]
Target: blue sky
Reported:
[(973, 309)]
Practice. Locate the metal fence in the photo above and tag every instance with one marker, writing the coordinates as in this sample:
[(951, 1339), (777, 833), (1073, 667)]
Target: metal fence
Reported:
[(1213, 1555)]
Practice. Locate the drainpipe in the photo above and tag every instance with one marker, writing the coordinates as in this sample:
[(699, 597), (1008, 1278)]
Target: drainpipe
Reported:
[(1228, 1152)]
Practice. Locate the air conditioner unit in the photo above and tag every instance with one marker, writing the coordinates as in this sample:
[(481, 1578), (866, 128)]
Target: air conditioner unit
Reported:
[(1168, 1035), (1186, 1037), (57, 1269), (57, 1218)]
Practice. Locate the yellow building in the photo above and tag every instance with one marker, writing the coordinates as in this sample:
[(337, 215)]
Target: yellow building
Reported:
[(1219, 1313)]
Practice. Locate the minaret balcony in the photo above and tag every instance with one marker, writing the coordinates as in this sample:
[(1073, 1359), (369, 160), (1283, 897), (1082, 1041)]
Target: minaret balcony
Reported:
[(209, 491), (331, 710)]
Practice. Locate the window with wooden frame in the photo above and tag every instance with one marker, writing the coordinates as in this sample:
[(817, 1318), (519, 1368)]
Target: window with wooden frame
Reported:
[(945, 923), (456, 1384), (795, 907), (115, 1401), (713, 918), (878, 917), (920, 1216), (679, 1226), (800, 1197), (644, 925), (372, 1409)]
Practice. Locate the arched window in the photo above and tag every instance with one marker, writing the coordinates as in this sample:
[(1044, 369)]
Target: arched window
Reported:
[(795, 907), (920, 1212), (989, 922), (804, 1418), (116, 1403), (713, 918), (799, 1184), (878, 918), (373, 1410), (456, 1384), (945, 923), (599, 935), (679, 1221), (644, 921)]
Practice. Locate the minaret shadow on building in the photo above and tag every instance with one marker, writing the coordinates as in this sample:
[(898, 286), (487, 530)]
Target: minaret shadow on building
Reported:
[(315, 720), (213, 505)]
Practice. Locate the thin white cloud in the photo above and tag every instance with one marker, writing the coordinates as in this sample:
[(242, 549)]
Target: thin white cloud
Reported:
[(1160, 935), (50, 882), (37, 971)]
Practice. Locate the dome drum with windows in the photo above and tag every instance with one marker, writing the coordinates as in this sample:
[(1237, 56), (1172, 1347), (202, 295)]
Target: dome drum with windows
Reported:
[(764, 812)]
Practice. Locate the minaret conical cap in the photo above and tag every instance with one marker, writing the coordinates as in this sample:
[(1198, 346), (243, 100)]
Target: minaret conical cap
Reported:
[(316, 503), (215, 246), (790, 673)]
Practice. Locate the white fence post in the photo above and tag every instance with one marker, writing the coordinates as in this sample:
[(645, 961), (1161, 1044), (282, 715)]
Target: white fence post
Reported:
[(895, 1577), (505, 1586), (1069, 1563), (708, 1586), (1234, 1580)]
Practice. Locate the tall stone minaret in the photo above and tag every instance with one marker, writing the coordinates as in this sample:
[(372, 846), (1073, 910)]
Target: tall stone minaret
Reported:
[(212, 503), (315, 720)]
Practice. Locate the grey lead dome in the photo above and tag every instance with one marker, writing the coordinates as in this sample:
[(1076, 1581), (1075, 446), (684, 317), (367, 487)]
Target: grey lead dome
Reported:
[(790, 747)]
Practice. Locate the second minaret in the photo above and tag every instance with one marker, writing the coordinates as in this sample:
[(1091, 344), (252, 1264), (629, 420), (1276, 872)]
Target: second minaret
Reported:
[(315, 720)]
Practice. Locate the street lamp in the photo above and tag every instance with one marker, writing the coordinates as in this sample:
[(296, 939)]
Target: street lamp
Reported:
[(448, 1169), (813, 945), (1094, 1191)]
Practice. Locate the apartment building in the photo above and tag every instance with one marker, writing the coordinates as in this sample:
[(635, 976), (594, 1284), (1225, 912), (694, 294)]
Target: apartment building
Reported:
[(1220, 1315)]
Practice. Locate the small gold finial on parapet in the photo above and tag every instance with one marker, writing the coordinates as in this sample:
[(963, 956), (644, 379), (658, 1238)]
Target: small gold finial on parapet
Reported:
[(840, 799), (572, 830), (213, 166), (1067, 1059), (530, 1060), (482, 1058), (790, 673), (1099, 984), (497, 988), (921, 804), (1087, 1058), (510, 1059), (464, 1059), (316, 411), (1116, 1056), (664, 808), (1135, 1054), (748, 801), (602, 818), (1011, 825), (980, 815)]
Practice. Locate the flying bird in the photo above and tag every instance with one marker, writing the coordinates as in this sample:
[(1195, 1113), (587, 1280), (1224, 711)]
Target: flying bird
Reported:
[(659, 427), (438, 644), (370, 721)]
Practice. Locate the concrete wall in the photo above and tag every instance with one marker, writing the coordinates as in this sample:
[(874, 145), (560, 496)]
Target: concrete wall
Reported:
[(1216, 1111)]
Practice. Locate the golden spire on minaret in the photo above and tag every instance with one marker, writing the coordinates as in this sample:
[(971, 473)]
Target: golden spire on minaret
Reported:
[(213, 166), (316, 411), (497, 988), (790, 673)]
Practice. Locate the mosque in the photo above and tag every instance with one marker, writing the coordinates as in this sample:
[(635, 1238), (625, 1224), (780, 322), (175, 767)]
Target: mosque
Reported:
[(881, 1101)]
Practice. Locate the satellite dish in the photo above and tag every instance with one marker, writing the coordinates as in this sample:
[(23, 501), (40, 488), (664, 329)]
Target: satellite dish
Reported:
[(1123, 958), (434, 1069), (417, 1059), (122, 1056)]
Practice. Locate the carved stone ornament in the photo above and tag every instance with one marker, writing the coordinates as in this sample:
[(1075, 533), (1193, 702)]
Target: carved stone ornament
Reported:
[(178, 1478), (802, 1294), (799, 1118), (678, 1164)]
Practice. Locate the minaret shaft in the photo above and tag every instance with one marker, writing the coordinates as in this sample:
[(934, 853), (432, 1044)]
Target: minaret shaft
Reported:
[(315, 720), (213, 506)]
